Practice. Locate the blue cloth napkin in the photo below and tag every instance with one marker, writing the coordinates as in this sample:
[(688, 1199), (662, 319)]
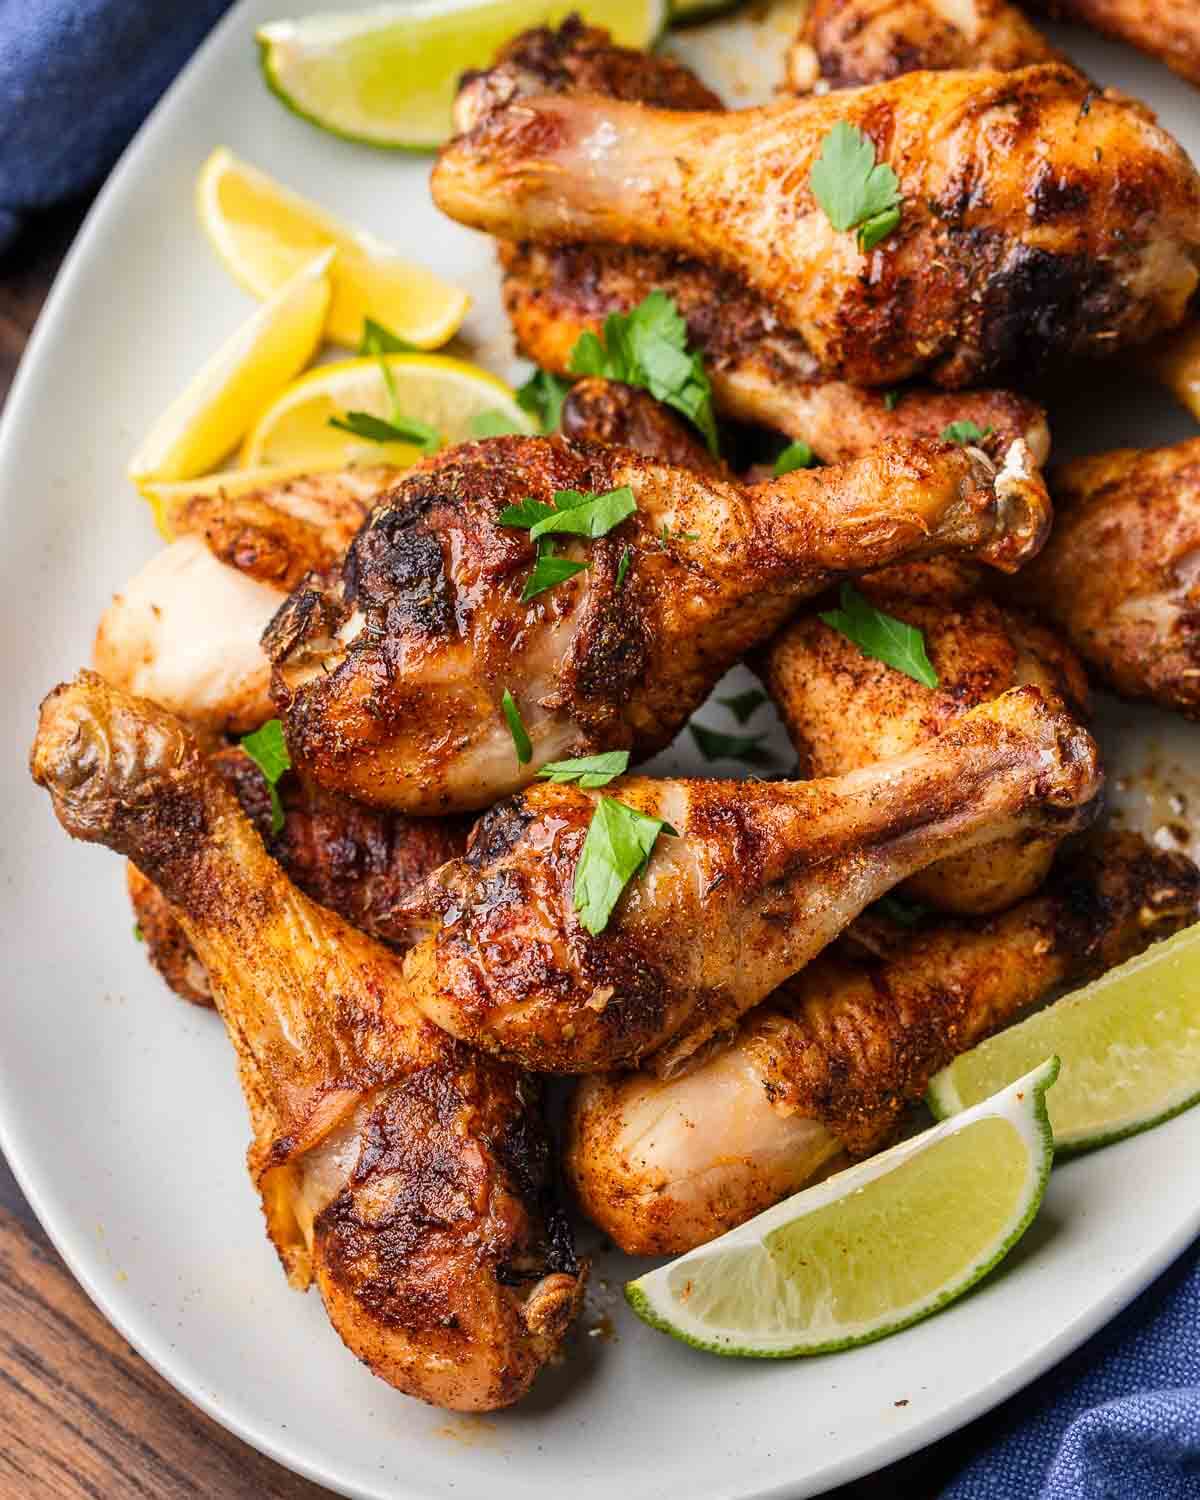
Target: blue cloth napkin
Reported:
[(1119, 1420), (77, 77)]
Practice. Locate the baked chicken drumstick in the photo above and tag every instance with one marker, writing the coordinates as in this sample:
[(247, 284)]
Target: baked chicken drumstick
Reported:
[(844, 710), (758, 878), (391, 672), (402, 1172), (831, 1060), (1166, 29), (1039, 220)]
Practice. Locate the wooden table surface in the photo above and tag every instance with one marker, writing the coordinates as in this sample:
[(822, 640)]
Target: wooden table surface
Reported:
[(82, 1414)]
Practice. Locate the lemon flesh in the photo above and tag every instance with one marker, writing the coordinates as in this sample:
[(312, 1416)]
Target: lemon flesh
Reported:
[(1129, 1044), (205, 422), (446, 393), (388, 75), (263, 231), (872, 1249)]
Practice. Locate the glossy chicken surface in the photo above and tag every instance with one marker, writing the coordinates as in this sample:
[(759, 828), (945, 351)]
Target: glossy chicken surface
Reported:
[(185, 629), (1166, 29), (1120, 577), (760, 877), (848, 43), (358, 861), (1033, 228), (390, 674), (761, 372), (609, 411), (402, 1172), (830, 1062), (844, 710)]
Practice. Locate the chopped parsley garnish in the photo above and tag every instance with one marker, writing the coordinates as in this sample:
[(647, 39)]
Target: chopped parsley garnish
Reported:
[(138, 935), (794, 456), (493, 423), (648, 347), (528, 513), (580, 513), (590, 771), (548, 571), (543, 395), (376, 339), (714, 745), (520, 735), (882, 636), (856, 190), (891, 400), (400, 429), (966, 432), (268, 749), (744, 705), (906, 913), (623, 566), (618, 846)]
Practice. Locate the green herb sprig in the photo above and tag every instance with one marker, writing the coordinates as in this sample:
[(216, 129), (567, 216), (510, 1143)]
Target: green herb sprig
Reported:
[(617, 848), (590, 771), (268, 749), (522, 744), (856, 190), (714, 745), (882, 636), (795, 456), (966, 432)]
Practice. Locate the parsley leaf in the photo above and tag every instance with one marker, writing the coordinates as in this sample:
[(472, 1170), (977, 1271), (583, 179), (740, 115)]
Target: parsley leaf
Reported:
[(581, 514), (618, 846), (520, 735), (906, 913), (493, 423), (891, 400), (376, 339), (588, 770), (268, 749), (623, 567), (648, 347), (138, 935), (882, 636), (528, 513), (543, 395), (794, 456), (855, 190), (743, 705), (400, 429), (966, 432), (714, 745), (548, 571)]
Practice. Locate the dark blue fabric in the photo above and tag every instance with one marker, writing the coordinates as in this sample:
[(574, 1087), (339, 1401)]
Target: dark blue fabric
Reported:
[(77, 77), (1120, 1420)]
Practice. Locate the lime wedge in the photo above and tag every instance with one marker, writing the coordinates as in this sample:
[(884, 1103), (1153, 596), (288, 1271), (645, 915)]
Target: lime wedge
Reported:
[(871, 1250), (1129, 1044), (388, 75)]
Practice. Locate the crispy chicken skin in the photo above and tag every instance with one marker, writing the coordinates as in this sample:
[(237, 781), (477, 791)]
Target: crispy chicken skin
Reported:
[(402, 1172), (390, 674), (832, 1059), (608, 411), (1040, 220), (358, 861), (848, 43), (761, 372), (1166, 29), (185, 629), (760, 877), (845, 710), (1120, 576)]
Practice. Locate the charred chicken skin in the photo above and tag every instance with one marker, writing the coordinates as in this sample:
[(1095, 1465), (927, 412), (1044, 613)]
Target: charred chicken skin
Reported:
[(830, 1062), (844, 710), (760, 877), (391, 673), (1120, 576), (1040, 221), (358, 861), (405, 1174), (185, 630)]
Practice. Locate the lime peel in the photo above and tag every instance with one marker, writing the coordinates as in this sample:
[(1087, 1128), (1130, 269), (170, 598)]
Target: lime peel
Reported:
[(790, 1272)]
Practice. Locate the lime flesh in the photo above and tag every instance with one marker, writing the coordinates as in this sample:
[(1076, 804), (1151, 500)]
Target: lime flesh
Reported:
[(388, 76), (872, 1249), (1129, 1044)]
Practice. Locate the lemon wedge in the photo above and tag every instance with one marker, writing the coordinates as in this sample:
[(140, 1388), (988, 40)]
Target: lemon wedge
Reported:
[(206, 421), (458, 401), (263, 231)]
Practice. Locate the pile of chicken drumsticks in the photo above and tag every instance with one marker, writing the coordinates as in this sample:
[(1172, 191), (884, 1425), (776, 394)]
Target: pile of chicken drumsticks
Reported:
[(400, 955)]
